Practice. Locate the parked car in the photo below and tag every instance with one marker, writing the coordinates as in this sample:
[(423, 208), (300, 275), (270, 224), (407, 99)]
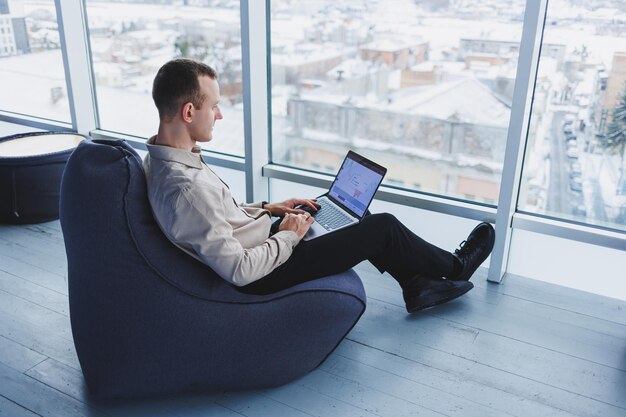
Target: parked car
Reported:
[(572, 153), (576, 168), (570, 136), (568, 129), (579, 210), (574, 175), (576, 184)]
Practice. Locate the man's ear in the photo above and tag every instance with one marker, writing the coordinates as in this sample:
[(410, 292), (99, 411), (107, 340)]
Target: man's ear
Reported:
[(187, 112)]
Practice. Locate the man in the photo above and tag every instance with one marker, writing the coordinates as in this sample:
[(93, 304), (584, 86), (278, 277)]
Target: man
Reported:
[(196, 211)]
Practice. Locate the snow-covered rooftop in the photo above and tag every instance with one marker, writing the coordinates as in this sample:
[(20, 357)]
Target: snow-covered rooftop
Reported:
[(465, 100)]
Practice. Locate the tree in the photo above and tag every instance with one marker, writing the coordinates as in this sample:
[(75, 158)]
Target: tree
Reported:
[(615, 138), (195, 48)]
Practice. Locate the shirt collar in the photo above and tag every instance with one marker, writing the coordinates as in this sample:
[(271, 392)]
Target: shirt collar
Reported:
[(166, 153)]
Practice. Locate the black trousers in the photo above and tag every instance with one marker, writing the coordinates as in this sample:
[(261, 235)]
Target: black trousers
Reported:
[(380, 238)]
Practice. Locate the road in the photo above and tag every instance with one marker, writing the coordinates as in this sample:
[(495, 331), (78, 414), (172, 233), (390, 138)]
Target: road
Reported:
[(561, 198)]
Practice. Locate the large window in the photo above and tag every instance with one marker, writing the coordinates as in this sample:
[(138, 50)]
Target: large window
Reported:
[(574, 166), (422, 87), (130, 40), (32, 77)]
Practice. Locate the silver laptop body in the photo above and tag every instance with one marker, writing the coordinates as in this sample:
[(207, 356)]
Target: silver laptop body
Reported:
[(350, 194)]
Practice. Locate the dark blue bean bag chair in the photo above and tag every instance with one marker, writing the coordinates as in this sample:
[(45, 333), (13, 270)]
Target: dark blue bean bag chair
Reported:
[(148, 319), (31, 166)]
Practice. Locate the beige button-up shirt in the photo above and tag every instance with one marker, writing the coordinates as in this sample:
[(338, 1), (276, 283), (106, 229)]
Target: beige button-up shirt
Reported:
[(196, 211)]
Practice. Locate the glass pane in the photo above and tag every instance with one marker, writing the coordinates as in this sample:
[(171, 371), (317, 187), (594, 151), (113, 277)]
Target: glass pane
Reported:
[(130, 41), (579, 109), (32, 76), (423, 88)]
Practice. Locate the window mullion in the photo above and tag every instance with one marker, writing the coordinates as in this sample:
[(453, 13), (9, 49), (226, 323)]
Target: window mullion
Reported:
[(75, 47), (255, 94), (530, 47)]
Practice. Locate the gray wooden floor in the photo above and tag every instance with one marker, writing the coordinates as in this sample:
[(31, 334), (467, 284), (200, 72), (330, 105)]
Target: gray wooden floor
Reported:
[(524, 348)]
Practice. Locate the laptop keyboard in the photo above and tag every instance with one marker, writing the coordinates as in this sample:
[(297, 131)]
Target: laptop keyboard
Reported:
[(331, 217)]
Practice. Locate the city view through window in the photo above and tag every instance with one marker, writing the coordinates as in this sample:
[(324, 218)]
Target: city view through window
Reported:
[(32, 77), (130, 40), (574, 165), (422, 87), (425, 88)]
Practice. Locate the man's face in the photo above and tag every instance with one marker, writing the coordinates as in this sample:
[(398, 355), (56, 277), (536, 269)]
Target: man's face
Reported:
[(201, 128)]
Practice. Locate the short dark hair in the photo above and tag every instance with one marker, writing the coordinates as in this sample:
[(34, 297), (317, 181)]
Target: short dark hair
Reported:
[(176, 83)]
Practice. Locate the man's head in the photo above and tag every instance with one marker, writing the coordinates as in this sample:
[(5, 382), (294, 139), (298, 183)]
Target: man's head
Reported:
[(186, 91)]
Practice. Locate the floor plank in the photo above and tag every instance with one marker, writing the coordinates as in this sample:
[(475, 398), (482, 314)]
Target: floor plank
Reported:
[(39, 339), (448, 382), (573, 385), (31, 240), (368, 395), (605, 308), (61, 377), (35, 237), (34, 274), (316, 401), (407, 389), (35, 314), (40, 398), (580, 336), (257, 404), (18, 357), (56, 264), (10, 409), (35, 293)]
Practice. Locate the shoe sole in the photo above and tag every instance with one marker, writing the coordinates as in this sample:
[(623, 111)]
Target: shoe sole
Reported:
[(459, 292)]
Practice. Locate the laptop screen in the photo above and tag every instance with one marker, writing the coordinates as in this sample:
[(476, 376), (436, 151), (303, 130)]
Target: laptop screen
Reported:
[(356, 183)]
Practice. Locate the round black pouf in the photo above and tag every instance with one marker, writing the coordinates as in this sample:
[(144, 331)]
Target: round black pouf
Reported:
[(31, 167)]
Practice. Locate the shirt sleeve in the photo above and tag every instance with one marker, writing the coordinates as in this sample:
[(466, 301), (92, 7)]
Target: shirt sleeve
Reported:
[(199, 224), (253, 205)]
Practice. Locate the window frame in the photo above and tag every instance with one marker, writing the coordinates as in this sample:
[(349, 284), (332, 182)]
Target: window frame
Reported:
[(259, 167)]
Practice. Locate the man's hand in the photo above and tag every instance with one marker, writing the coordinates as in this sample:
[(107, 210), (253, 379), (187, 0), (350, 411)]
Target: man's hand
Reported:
[(298, 223), (289, 206)]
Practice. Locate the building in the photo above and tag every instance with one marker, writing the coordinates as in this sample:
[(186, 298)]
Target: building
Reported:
[(426, 73), (20, 34), (435, 138), (505, 48), (13, 33), (304, 61), (616, 82), (397, 55), (7, 40)]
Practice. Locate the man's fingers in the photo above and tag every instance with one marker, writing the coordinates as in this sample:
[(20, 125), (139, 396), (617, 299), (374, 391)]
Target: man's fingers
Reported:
[(311, 204), (306, 216), (296, 211)]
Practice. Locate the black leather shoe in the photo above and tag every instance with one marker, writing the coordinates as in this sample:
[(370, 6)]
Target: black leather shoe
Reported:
[(424, 292), (474, 250)]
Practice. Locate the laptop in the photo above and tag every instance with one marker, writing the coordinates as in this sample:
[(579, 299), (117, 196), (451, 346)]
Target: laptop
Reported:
[(350, 194)]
